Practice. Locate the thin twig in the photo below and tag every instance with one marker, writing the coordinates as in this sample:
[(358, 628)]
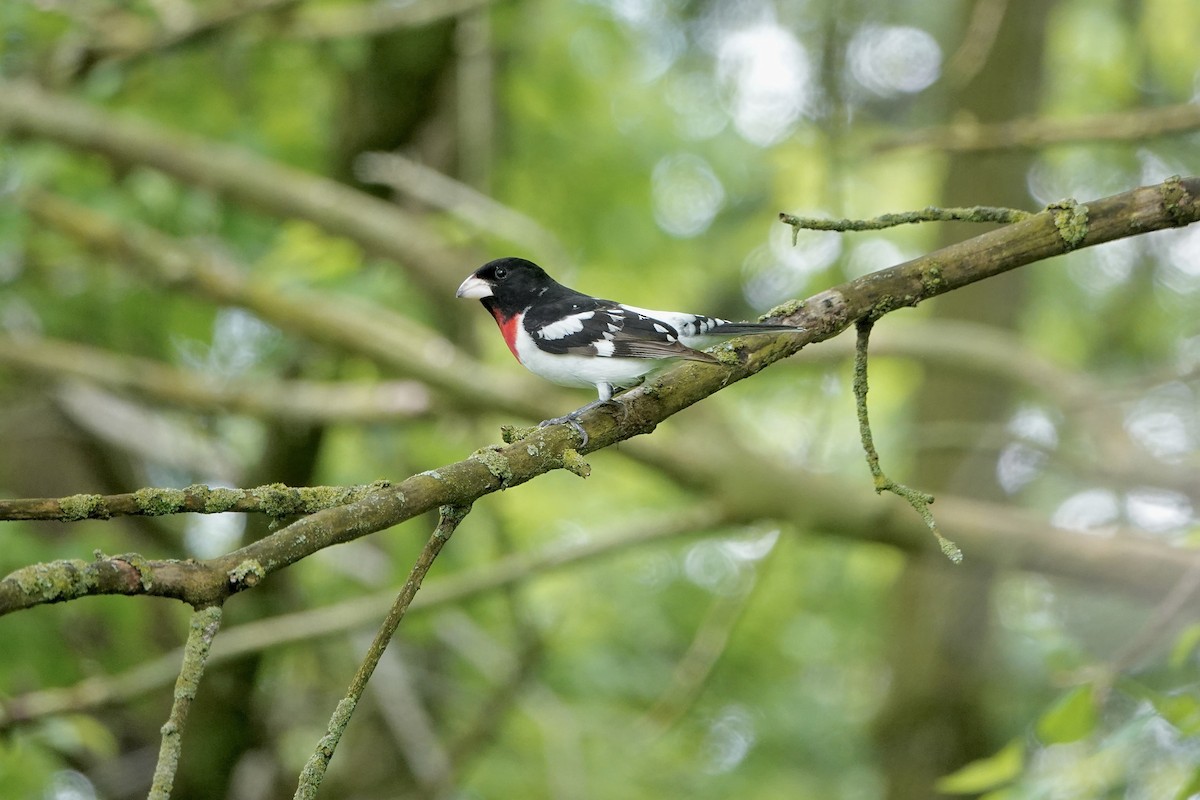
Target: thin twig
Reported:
[(1001, 215), (920, 501), (314, 771), (1168, 612), (203, 628)]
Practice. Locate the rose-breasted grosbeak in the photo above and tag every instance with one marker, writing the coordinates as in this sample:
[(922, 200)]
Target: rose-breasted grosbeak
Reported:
[(572, 339)]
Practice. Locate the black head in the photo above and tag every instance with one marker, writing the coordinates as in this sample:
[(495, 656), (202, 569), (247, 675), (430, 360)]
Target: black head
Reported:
[(509, 284)]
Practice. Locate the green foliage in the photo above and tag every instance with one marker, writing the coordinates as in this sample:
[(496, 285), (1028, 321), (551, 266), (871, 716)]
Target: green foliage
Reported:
[(1070, 719), (987, 774)]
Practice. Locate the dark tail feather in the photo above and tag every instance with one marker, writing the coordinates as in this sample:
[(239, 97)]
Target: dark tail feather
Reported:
[(747, 328)]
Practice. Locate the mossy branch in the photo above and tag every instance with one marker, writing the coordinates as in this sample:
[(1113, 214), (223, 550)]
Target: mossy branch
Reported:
[(920, 501), (202, 630), (275, 500), (313, 773)]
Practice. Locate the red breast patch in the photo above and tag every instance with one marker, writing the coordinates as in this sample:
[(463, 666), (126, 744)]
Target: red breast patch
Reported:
[(508, 329)]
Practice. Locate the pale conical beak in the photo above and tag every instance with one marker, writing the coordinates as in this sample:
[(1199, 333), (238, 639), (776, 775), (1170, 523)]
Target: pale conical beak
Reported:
[(474, 288)]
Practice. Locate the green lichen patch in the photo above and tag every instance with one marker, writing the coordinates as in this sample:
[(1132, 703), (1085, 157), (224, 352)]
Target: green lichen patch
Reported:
[(574, 463), (311, 499), (141, 566), (1071, 220), (82, 506), (277, 500), (160, 502), (57, 580), (246, 574), (515, 433), (317, 498), (884, 305), (785, 309), (1174, 197), (221, 499), (932, 282), (727, 354), (496, 464)]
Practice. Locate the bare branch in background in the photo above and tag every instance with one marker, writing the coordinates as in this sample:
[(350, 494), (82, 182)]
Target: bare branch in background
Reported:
[(474, 208), (265, 397), (386, 337), (976, 46), (353, 20), (378, 226), (1036, 134)]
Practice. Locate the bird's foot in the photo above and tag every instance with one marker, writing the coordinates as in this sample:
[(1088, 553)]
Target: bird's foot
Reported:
[(568, 419), (572, 419)]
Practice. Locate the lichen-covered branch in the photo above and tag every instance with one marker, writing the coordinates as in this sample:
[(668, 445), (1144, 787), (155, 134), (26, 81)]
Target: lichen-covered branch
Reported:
[(203, 629), (311, 776), (1004, 216), (275, 500)]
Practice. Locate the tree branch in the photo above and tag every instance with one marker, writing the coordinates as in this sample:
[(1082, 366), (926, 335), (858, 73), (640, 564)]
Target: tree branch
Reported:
[(1004, 216), (274, 500), (920, 501), (1052, 232), (338, 618), (268, 398), (378, 226), (1034, 134), (385, 337), (311, 776), (467, 204), (374, 18), (201, 632)]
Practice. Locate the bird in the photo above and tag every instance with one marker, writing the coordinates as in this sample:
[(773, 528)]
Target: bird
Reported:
[(572, 339)]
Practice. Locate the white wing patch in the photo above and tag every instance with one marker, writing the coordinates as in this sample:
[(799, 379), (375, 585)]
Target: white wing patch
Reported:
[(604, 347), (565, 326)]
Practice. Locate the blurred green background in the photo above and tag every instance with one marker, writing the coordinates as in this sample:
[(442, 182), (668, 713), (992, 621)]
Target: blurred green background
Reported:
[(647, 633)]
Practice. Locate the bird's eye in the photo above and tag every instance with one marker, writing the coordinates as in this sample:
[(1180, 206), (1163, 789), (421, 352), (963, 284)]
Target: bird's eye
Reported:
[(501, 273)]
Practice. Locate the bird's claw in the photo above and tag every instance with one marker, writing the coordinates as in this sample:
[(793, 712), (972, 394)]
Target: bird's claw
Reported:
[(568, 420)]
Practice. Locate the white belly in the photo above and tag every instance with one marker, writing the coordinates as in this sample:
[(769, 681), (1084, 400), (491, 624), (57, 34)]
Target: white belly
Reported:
[(581, 371)]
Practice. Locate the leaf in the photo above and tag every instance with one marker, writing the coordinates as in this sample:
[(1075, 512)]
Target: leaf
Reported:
[(1185, 645), (986, 773), (1191, 788), (1072, 718), (1178, 707), (1181, 710)]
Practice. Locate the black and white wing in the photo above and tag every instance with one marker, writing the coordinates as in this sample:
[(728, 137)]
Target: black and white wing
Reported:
[(608, 330)]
